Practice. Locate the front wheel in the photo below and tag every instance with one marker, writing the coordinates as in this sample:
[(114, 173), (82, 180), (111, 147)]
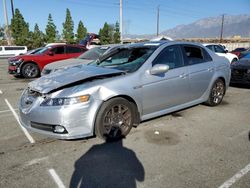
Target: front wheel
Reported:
[(30, 70), (234, 60), (217, 93), (115, 119)]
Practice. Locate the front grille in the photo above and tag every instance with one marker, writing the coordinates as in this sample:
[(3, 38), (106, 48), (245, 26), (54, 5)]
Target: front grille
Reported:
[(239, 74)]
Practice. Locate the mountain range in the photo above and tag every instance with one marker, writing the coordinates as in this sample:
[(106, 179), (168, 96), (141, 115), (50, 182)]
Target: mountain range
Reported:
[(234, 25)]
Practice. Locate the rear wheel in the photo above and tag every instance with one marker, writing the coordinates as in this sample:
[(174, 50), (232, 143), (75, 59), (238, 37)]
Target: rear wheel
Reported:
[(115, 119), (217, 93), (30, 70)]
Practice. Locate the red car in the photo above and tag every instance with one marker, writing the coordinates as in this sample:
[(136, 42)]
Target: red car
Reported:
[(30, 65), (238, 51)]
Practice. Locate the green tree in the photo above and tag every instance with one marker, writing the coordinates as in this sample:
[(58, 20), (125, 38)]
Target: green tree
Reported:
[(20, 29), (50, 30), (68, 28), (37, 37), (81, 32), (116, 35), (106, 34)]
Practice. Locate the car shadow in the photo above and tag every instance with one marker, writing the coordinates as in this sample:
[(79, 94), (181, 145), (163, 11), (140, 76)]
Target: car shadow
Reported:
[(109, 164), (242, 86)]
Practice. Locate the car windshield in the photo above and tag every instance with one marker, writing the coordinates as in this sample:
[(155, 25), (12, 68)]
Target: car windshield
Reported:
[(42, 50), (126, 59), (93, 53)]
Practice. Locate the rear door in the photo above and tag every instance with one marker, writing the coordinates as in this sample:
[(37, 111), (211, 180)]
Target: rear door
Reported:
[(74, 51), (166, 90), (200, 69), (58, 53)]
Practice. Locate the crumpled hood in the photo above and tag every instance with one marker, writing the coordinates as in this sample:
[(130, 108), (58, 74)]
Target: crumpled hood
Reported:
[(66, 63), (69, 77)]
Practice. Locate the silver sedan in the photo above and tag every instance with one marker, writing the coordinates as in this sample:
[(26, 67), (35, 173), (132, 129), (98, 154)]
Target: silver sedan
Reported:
[(131, 84)]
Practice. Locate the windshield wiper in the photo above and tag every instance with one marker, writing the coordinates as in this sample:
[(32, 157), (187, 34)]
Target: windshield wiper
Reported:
[(117, 64)]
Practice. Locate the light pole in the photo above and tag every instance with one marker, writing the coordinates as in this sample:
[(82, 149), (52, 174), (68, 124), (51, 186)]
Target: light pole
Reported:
[(12, 8), (158, 17), (121, 37), (221, 31), (7, 33)]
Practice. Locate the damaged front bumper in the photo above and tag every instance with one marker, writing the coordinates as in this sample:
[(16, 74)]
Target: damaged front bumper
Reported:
[(62, 122)]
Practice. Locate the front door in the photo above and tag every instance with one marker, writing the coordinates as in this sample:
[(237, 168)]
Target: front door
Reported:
[(169, 89)]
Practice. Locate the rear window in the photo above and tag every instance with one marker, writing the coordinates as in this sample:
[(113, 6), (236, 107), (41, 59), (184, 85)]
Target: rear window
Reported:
[(1, 48), (14, 48), (194, 55), (218, 49), (210, 47), (58, 50), (73, 49), (93, 53)]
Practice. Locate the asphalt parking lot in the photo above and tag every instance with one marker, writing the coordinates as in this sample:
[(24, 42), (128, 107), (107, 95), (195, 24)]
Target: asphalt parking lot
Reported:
[(198, 147)]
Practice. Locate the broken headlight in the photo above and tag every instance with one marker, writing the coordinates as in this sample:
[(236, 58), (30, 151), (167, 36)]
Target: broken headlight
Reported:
[(65, 101)]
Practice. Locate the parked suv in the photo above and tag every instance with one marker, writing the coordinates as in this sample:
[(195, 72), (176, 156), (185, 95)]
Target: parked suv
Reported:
[(30, 65), (91, 55)]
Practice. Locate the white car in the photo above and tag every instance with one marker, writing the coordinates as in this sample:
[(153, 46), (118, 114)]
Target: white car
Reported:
[(220, 51), (10, 51)]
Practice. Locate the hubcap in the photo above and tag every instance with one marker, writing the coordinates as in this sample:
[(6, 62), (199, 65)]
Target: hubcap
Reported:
[(218, 92), (30, 71), (117, 120)]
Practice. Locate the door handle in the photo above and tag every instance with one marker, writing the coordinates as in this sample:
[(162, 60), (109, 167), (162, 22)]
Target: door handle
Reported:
[(210, 69), (183, 75)]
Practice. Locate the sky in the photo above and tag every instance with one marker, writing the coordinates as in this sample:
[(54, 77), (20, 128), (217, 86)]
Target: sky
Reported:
[(139, 16)]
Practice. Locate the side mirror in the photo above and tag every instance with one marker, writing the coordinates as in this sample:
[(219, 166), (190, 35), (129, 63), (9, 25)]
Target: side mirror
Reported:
[(159, 69), (50, 53)]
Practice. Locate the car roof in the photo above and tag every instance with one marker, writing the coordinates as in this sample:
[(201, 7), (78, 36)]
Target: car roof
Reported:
[(58, 45), (160, 43)]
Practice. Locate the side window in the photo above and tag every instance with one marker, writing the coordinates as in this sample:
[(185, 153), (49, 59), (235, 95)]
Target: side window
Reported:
[(14, 48), (0, 48), (58, 50), (210, 47), (73, 49), (194, 55), (218, 49), (170, 56), (206, 55)]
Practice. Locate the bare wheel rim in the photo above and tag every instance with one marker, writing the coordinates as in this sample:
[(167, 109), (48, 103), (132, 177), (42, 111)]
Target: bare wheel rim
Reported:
[(218, 92), (117, 120), (30, 71)]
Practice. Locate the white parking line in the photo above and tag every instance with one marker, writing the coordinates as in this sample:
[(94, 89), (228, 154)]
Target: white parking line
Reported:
[(3, 111), (16, 116), (35, 161), (56, 178), (1, 92), (236, 177)]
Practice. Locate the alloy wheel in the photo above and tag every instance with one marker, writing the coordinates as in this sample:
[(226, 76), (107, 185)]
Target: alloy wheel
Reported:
[(117, 120)]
